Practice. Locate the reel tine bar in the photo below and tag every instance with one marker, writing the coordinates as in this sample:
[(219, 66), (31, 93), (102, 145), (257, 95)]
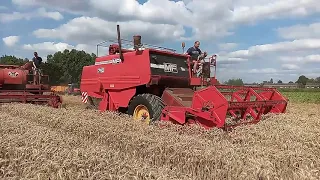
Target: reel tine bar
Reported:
[(244, 102)]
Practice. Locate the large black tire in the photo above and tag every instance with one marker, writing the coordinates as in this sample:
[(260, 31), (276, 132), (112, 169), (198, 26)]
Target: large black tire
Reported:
[(153, 103)]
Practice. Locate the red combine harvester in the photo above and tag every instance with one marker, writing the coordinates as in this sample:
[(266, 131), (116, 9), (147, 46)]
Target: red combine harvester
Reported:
[(17, 84), (152, 85)]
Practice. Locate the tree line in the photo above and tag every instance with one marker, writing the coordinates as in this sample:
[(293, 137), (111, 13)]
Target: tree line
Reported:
[(301, 80), (66, 67)]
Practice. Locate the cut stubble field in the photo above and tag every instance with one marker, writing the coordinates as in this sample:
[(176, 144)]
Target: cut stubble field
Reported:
[(75, 143)]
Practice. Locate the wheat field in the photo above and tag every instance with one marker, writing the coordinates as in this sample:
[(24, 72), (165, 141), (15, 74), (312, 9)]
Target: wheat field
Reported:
[(39, 142)]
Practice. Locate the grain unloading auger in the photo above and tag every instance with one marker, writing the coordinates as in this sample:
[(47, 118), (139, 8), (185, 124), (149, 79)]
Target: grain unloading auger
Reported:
[(157, 84)]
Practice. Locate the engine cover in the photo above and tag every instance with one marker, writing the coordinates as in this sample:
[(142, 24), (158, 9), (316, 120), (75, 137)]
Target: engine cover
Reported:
[(13, 76)]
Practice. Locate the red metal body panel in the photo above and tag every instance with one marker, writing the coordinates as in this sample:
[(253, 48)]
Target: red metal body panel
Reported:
[(133, 72), (13, 76), (119, 79)]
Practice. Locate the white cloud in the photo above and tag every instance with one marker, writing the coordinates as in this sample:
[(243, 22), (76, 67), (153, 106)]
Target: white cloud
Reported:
[(91, 49), (313, 58), (300, 31), (93, 30), (286, 46), (263, 71), (39, 13), (49, 47), (207, 18), (11, 40), (42, 12), (249, 11), (227, 46), (290, 66), (229, 60), (171, 12), (52, 47), (72, 6)]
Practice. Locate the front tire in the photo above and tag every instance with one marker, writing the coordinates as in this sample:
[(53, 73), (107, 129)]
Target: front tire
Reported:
[(146, 108)]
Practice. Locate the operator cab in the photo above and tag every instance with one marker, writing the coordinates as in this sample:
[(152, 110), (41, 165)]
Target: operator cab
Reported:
[(171, 64)]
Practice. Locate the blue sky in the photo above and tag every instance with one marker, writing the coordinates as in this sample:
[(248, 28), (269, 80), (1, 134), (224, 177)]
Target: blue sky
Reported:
[(254, 40)]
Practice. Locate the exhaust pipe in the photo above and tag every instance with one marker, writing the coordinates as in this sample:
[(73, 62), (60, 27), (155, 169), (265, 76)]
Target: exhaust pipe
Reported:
[(119, 42)]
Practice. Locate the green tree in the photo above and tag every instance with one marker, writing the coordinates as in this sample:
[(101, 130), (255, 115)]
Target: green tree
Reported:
[(302, 80), (279, 82), (311, 80), (235, 82), (271, 81), (66, 67), (11, 60)]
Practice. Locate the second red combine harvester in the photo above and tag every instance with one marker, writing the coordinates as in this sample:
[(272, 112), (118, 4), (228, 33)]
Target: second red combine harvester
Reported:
[(152, 85), (17, 84)]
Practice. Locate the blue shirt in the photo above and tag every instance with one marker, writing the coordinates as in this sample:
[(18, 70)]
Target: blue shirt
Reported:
[(194, 52), (37, 61)]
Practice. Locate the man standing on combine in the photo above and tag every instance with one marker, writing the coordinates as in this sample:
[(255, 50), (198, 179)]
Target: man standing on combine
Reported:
[(195, 52), (36, 60)]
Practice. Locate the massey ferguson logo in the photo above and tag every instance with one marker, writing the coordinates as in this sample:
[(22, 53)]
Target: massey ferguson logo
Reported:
[(172, 68), (13, 74)]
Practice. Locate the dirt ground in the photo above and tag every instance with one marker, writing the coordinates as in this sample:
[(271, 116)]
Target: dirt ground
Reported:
[(73, 143)]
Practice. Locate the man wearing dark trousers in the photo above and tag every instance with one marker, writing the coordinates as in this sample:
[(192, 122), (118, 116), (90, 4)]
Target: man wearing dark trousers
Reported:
[(36, 71)]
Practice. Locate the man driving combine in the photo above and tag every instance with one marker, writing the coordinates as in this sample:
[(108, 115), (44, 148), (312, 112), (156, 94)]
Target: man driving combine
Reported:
[(194, 51), (196, 55)]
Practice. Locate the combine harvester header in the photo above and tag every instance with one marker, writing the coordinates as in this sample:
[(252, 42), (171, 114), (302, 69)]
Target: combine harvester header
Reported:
[(153, 84)]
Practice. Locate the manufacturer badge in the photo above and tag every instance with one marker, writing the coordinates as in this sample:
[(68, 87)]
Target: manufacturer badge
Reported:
[(101, 70), (13, 74)]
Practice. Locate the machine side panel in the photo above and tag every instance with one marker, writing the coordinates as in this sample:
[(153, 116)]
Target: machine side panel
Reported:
[(14, 76), (112, 74), (168, 65), (89, 80)]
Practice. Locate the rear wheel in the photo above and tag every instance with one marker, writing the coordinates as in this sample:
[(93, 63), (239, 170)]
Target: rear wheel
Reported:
[(146, 108)]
